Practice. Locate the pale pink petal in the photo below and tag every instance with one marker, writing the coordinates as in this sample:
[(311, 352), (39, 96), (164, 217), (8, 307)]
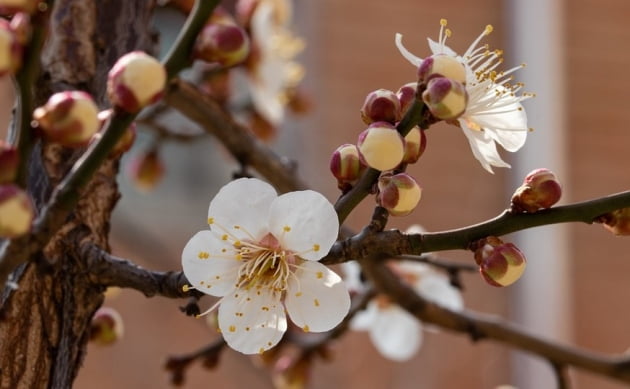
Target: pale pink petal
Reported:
[(252, 321), (208, 265), (305, 223), (243, 203), (396, 334), (406, 53), (316, 298)]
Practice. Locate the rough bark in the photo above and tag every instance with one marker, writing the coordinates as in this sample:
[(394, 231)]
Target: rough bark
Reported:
[(45, 314)]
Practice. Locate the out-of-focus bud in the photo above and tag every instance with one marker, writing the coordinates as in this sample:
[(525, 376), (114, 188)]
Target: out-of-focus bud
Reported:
[(16, 211), (415, 143), (289, 373), (10, 7), (445, 98), (406, 95), (106, 327), (298, 101), (11, 49), (540, 190), (617, 221), (21, 26), (226, 44), (126, 140), (135, 81), (261, 127), (399, 193), (381, 105), (146, 170), (500, 264), (68, 118), (380, 146), (345, 163), (441, 65), (9, 160), (244, 10)]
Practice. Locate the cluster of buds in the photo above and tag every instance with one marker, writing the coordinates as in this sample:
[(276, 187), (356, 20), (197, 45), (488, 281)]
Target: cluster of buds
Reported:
[(617, 221), (13, 37), (106, 327), (540, 190), (500, 263)]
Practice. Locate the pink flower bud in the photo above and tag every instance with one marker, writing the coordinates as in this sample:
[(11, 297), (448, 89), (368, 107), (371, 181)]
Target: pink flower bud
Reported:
[(10, 7), (135, 81), (500, 264), (406, 95), (445, 98), (441, 65), (540, 190), (126, 140), (11, 49), (399, 193), (381, 105), (345, 163), (146, 170), (106, 327), (617, 221), (415, 143), (16, 211), (380, 146), (9, 160), (69, 118), (226, 44)]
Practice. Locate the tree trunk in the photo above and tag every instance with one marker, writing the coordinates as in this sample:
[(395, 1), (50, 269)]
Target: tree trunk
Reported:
[(45, 313)]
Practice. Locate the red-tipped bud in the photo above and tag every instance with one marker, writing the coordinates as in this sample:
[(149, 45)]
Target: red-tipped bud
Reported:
[(540, 190), (9, 160), (226, 44), (135, 81), (345, 163), (10, 7), (441, 65), (415, 143), (617, 221), (126, 140), (399, 193), (445, 98), (68, 118), (500, 264), (106, 327), (11, 48), (406, 95), (146, 170), (381, 105), (16, 211), (380, 146)]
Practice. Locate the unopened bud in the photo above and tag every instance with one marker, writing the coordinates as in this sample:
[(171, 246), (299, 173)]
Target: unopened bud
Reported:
[(399, 194), (406, 96), (415, 143), (540, 190), (345, 163), (226, 44), (445, 98), (21, 26), (10, 7), (11, 49), (289, 373), (146, 170), (126, 140), (68, 118), (381, 105), (9, 160), (135, 81), (617, 221), (500, 264), (441, 65), (16, 211), (380, 146), (106, 327)]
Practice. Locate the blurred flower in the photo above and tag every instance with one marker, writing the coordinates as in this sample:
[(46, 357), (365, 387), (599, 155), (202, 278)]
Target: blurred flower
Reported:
[(146, 170), (16, 211), (260, 256), (494, 113)]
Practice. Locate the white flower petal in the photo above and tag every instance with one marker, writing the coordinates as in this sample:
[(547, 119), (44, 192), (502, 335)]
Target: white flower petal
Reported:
[(316, 298), (508, 128), (207, 267), (483, 148), (436, 48), (304, 222), (364, 320), (252, 321), (352, 276), (406, 53), (437, 288), (396, 334), (245, 203)]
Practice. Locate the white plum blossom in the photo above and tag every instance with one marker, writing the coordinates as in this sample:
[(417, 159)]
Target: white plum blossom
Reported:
[(395, 333), (260, 256), (494, 113)]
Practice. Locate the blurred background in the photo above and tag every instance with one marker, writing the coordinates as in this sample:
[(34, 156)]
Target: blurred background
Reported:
[(576, 286)]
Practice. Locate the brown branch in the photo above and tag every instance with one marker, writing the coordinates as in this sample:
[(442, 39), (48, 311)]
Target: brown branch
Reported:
[(209, 355)]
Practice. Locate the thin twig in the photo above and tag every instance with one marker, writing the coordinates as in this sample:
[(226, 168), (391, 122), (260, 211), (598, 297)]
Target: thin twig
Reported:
[(209, 355)]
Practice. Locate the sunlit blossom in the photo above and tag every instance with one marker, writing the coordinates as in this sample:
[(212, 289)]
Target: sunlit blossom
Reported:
[(260, 256), (494, 113)]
